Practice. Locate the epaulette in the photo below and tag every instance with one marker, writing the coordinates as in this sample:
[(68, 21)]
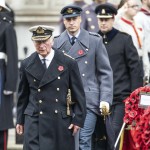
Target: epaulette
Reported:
[(56, 36), (95, 34), (68, 55), (7, 20)]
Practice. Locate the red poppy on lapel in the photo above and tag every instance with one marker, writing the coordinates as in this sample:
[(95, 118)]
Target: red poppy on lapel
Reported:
[(60, 68), (80, 52)]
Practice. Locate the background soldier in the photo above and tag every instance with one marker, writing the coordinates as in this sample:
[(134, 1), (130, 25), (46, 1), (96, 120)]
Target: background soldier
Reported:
[(91, 55), (124, 60), (8, 74), (89, 19), (143, 19)]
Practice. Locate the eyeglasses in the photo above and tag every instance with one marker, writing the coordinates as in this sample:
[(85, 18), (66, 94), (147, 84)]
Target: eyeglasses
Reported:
[(134, 6)]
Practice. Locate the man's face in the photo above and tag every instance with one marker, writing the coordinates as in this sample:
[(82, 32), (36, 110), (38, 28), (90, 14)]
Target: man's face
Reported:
[(72, 24), (133, 8), (105, 24), (43, 47)]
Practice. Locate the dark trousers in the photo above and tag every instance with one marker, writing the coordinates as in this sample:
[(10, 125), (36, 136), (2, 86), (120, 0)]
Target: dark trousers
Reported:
[(100, 138), (99, 141), (117, 115), (3, 139)]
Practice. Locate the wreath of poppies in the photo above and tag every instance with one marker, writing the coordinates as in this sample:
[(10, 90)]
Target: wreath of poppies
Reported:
[(138, 118)]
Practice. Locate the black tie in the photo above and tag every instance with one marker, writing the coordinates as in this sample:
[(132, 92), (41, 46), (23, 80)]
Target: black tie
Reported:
[(44, 63), (73, 40)]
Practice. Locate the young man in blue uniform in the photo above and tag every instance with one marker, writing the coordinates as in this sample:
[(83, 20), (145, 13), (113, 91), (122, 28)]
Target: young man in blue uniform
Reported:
[(89, 51)]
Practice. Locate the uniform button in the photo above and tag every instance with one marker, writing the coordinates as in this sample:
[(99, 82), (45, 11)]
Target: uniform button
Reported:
[(106, 42), (86, 49), (41, 112), (58, 78), (83, 74), (89, 19), (56, 111), (57, 89), (40, 101), (87, 12), (92, 27), (39, 90), (56, 100), (86, 62), (34, 80)]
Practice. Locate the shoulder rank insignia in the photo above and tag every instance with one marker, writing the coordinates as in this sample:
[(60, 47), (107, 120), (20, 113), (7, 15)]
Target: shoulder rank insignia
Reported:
[(56, 36), (68, 55), (95, 34)]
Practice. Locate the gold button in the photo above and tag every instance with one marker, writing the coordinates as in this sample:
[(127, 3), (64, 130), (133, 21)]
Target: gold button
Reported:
[(58, 78), (40, 101), (92, 27), (56, 111), (87, 12), (56, 100), (34, 80), (83, 74), (86, 62), (41, 112), (89, 19), (39, 90), (57, 89)]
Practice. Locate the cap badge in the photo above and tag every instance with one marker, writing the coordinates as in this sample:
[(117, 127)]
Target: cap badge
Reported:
[(40, 30), (69, 10), (103, 11)]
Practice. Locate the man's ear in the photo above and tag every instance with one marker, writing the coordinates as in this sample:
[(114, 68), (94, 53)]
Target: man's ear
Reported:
[(80, 19), (52, 40)]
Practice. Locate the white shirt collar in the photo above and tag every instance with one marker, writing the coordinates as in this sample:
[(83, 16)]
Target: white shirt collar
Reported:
[(70, 36), (48, 58)]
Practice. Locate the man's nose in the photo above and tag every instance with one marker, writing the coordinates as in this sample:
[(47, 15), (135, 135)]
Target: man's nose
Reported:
[(71, 21), (41, 44)]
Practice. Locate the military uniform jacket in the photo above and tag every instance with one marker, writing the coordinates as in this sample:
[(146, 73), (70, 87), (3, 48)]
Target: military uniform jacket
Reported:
[(8, 71), (124, 60), (94, 66), (43, 94), (89, 18)]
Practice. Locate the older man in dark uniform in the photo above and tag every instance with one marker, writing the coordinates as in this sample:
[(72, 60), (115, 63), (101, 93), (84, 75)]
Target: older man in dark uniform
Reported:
[(124, 60), (45, 115), (8, 74), (91, 55)]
